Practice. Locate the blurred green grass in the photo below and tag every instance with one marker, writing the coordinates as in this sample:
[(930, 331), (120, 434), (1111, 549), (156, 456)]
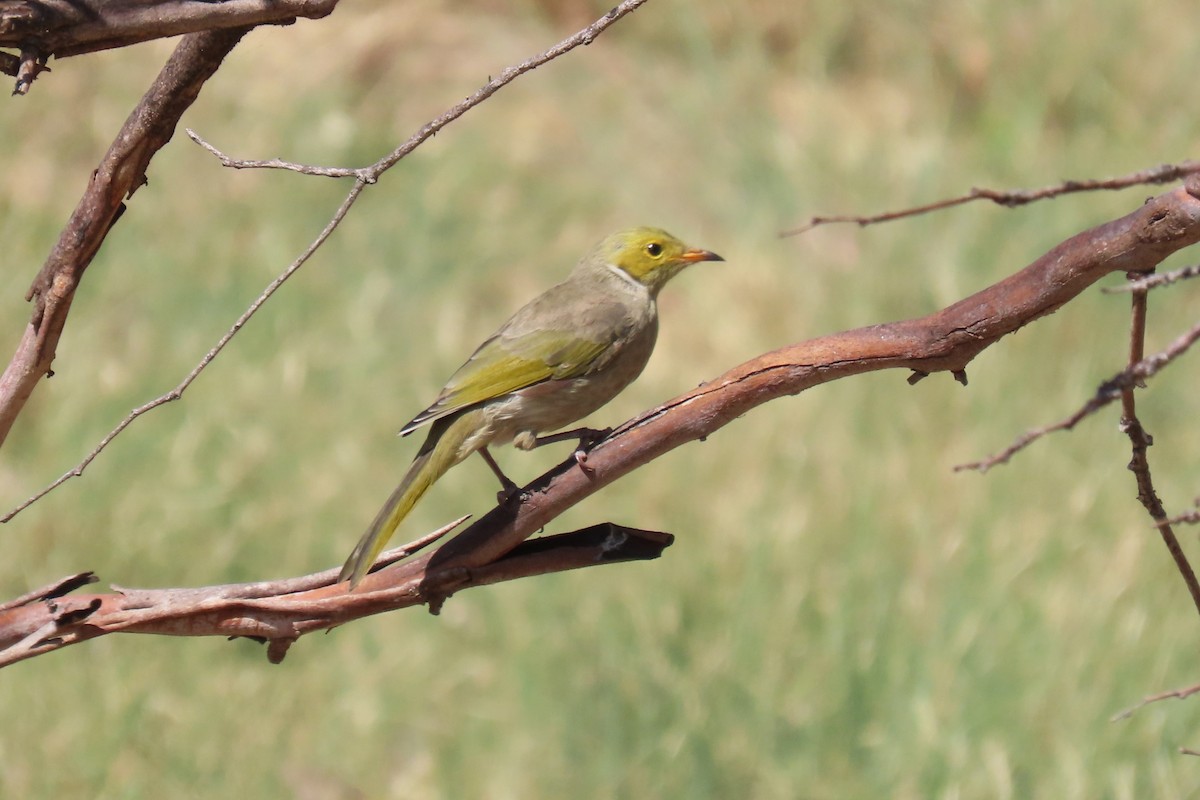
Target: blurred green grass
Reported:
[(841, 617)]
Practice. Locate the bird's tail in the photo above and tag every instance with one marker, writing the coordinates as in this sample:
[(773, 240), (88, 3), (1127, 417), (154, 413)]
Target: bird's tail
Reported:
[(442, 450)]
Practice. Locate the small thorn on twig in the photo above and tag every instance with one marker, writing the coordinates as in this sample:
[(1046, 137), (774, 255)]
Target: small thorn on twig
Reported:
[(960, 375), (916, 377)]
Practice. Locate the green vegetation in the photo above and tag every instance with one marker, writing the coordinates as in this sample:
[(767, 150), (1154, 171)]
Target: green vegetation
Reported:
[(842, 616)]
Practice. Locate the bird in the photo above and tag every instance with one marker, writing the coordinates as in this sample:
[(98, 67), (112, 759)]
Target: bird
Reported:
[(559, 358)]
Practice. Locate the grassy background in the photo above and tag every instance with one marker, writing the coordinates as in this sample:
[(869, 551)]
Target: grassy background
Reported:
[(841, 617)]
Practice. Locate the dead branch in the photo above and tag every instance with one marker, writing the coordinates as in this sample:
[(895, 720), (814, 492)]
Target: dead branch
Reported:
[(1011, 198), (278, 163), (119, 175), (39, 29), (492, 549), (10, 405), (1140, 441), (278, 614), (1173, 694)]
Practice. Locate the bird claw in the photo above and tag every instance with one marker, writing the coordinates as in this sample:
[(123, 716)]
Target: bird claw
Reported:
[(581, 458), (589, 438)]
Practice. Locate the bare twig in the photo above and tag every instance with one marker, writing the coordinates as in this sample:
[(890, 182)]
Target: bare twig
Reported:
[(363, 178), (1140, 441), (1112, 389), (1174, 694), (583, 37), (1011, 198), (1154, 281), (363, 173), (1188, 517), (187, 381)]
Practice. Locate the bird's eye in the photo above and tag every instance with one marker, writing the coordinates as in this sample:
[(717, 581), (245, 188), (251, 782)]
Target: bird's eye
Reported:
[(654, 249)]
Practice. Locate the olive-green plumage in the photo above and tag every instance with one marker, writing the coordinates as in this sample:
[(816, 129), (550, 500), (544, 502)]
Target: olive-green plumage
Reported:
[(562, 356)]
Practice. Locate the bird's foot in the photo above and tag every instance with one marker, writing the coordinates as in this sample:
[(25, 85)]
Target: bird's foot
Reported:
[(588, 438), (511, 493)]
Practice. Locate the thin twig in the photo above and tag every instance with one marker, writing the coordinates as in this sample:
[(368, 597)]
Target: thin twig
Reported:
[(1140, 440), (1186, 518), (1174, 694), (363, 178), (278, 163), (183, 385), (1011, 198), (1154, 281), (583, 37), (1107, 392)]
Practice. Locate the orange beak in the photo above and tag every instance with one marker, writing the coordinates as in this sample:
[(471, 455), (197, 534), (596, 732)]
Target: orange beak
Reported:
[(692, 256)]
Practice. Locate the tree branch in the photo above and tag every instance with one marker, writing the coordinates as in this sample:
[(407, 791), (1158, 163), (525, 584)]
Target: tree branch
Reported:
[(43, 28), (492, 549), (280, 612)]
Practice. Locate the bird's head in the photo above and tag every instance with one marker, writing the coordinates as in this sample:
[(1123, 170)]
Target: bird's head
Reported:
[(649, 255)]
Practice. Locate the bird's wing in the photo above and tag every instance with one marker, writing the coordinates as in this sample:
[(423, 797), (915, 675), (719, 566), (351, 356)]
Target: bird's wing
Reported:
[(529, 350)]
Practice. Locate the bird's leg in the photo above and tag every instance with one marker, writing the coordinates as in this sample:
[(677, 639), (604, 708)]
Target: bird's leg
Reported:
[(510, 489), (588, 438)]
